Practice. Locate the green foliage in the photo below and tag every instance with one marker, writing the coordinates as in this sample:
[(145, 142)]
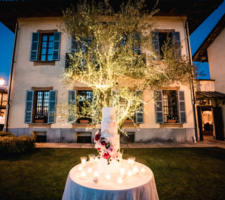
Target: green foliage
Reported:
[(109, 60), (10, 143)]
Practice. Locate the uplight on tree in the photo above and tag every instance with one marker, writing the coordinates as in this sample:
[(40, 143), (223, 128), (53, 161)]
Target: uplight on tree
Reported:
[(114, 54)]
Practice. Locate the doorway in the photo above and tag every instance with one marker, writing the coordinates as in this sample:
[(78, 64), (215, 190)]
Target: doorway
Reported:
[(210, 121), (205, 122)]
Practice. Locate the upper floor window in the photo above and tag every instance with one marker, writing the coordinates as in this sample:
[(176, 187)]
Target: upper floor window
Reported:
[(45, 46), (159, 39)]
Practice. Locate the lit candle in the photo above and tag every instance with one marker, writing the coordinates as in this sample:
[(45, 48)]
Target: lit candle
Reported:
[(131, 160), (135, 170), (96, 159), (143, 170), (83, 174), (129, 173), (108, 177), (83, 161), (122, 172), (89, 170), (91, 158), (96, 174), (80, 168), (120, 180)]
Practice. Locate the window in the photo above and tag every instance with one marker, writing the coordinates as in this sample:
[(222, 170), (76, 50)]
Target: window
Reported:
[(41, 106), (47, 47), (170, 105), (159, 38), (84, 97)]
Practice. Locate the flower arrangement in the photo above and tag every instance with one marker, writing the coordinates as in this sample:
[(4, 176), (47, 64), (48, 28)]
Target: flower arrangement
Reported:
[(105, 148)]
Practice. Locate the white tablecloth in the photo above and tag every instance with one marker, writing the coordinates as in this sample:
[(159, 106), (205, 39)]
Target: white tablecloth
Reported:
[(137, 187)]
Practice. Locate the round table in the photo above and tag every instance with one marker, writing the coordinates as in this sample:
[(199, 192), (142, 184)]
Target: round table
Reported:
[(137, 187)]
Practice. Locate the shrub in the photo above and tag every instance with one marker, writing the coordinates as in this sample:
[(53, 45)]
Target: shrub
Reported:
[(10, 143), (3, 134)]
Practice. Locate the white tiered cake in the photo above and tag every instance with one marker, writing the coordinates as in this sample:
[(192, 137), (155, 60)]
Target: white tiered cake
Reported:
[(111, 143)]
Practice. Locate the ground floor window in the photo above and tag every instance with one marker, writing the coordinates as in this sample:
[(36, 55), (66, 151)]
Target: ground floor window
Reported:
[(84, 97), (170, 106), (41, 106)]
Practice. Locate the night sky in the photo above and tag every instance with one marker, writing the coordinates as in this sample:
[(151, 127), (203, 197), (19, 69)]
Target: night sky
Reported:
[(7, 40)]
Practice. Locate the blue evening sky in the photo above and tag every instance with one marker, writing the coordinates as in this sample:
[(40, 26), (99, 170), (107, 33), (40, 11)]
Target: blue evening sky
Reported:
[(196, 38)]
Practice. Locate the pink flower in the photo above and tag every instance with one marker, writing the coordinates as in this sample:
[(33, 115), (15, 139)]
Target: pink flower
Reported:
[(110, 149), (106, 155), (113, 156), (97, 137), (103, 143), (98, 149)]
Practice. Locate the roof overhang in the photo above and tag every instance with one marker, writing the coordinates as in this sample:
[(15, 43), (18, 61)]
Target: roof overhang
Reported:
[(210, 94), (201, 53), (196, 11)]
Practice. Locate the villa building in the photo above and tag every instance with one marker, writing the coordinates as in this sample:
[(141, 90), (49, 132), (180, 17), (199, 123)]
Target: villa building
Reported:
[(210, 93), (39, 58)]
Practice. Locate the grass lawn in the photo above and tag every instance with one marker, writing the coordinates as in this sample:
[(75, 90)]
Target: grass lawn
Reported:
[(185, 173)]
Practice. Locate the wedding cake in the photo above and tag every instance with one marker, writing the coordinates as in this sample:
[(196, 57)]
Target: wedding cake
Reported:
[(108, 143)]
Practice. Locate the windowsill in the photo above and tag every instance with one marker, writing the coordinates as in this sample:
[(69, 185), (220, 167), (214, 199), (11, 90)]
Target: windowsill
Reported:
[(79, 125), (171, 125), (39, 62), (37, 125)]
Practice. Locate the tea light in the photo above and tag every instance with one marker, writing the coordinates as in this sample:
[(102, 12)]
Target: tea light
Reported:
[(129, 173), (83, 174), (120, 180), (131, 160), (96, 174), (83, 161), (80, 168), (143, 170), (91, 158), (89, 170), (135, 170), (122, 172), (108, 177)]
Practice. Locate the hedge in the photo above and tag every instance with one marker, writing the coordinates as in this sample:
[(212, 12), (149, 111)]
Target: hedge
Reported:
[(10, 143)]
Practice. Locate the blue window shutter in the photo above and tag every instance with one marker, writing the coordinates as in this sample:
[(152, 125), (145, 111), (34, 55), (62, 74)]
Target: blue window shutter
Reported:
[(96, 110), (182, 110), (34, 47), (140, 112), (29, 107), (72, 102), (52, 106), (137, 46), (155, 43), (56, 48), (177, 45), (158, 106)]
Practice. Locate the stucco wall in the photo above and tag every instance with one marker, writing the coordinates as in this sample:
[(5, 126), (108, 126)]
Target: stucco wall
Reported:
[(216, 58), (26, 75)]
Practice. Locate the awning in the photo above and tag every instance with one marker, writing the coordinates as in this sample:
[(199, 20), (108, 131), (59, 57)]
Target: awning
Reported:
[(215, 94), (218, 96)]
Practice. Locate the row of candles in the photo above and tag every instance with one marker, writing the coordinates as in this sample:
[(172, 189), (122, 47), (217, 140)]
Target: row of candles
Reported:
[(92, 159)]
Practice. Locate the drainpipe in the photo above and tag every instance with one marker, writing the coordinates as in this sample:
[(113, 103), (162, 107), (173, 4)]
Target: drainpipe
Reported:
[(11, 74), (192, 84)]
